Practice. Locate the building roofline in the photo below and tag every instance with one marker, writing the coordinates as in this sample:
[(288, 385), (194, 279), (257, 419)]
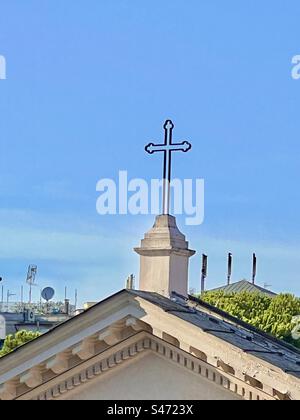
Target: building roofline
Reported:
[(243, 324), (198, 301), (62, 324), (231, 285)]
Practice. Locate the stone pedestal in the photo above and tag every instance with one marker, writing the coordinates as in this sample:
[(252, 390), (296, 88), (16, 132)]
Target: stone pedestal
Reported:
[(164, 258)]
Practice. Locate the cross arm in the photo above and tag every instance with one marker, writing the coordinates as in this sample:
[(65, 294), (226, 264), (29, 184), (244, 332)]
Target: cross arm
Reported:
[(151, 148)]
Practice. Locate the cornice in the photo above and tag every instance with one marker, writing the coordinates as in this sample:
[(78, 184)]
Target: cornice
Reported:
[(59, 388), (56, 341), (164, 252), (113, 330)]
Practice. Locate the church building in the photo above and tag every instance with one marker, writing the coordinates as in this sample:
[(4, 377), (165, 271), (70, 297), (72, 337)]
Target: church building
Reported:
[(153, 343)]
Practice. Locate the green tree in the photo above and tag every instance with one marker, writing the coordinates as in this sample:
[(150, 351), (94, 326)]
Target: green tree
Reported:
[(272, 315), (14, 341)]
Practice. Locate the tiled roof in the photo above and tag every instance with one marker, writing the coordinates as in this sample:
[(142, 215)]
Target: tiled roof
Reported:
[(224, 326), (243, 286), (212, 321)]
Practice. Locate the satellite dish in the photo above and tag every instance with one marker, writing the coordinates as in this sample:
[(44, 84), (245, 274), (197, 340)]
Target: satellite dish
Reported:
[(48, 293)]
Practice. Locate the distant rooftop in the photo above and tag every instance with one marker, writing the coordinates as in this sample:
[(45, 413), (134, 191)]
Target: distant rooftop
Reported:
[(243, 286)]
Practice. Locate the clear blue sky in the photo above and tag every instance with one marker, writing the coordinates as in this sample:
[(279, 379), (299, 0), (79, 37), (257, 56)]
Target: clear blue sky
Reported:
[(89, 83)]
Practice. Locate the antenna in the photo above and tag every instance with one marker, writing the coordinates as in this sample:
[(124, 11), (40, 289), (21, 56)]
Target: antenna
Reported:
[(76, 298), (22, 294), (229, 270), (31, 274), (254, 267), (2, 290), (203, 272), (9, 295), (130, 282)]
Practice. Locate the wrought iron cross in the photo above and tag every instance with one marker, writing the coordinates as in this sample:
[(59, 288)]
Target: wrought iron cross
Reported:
[(167, 148)]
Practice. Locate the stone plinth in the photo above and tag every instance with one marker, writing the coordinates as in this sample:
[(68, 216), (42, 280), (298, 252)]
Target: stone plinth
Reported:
[(164, 258)]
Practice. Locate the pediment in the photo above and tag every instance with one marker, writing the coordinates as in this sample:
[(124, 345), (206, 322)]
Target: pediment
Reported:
[(135, 369), (116, 335), (152, 374)]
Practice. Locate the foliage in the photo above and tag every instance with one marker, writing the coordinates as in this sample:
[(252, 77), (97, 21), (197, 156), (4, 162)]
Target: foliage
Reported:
[(272, 315), (14, 341)]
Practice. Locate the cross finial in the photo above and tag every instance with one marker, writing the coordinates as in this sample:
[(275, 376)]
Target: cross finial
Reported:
[(168, 125), (167, 148)]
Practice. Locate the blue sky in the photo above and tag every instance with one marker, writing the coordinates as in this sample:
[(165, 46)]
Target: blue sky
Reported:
[(89, 83)]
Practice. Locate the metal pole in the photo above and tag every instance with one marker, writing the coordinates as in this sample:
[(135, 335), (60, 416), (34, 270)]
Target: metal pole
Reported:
[(2, 288), (203, 272), (229, 272), (254, 267), (76, 296), (2, 297)]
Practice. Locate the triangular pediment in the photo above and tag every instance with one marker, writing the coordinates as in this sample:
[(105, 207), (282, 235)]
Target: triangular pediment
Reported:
[(141, 375), (133, 370), (115, 336)]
